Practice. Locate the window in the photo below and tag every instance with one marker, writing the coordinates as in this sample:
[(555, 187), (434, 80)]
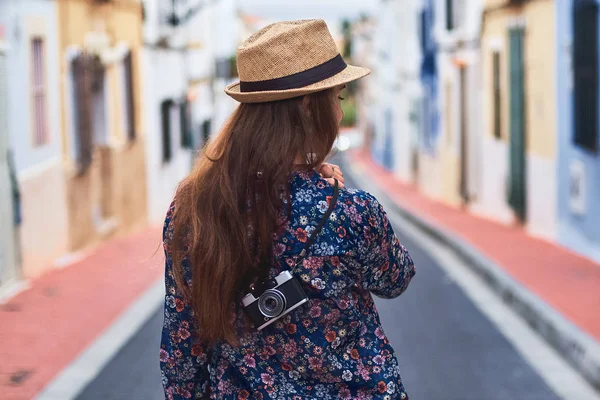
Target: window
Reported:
[(206, 128), (165, 113), (585, 69), (454, 14), (38, 92), (82, 118), (449, 15), (98, 110), (423, 32), (496, 94), (185, 125)]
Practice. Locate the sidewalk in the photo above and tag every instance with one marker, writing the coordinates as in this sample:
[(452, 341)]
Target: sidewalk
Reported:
[(554, 289), (46, 327)]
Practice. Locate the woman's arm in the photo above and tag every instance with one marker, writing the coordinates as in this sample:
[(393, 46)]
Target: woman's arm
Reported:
[(183, 362), (386, 268)]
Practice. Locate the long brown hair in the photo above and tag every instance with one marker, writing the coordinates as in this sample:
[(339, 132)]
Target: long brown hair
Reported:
[(234, 193)]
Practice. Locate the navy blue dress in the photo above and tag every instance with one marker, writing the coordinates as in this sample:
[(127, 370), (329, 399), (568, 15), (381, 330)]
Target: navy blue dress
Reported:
[(333, 347)]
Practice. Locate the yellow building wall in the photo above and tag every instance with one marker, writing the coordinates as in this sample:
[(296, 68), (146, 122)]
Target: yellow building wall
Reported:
[(429, 175), (540, 51), (540, 71), (538, 21), (448, 149), (114, 185), (495, 39)]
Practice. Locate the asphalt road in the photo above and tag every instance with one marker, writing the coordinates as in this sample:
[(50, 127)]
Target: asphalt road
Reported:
[(447, 349)]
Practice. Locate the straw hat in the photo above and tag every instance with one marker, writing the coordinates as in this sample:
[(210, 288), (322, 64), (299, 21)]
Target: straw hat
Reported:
[(290, 59)]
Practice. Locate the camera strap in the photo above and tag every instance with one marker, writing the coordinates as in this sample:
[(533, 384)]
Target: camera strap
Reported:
[(319, 227)]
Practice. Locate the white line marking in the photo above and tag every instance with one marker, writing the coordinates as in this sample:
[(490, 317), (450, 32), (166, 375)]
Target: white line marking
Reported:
[(563, 379), (74, 378)]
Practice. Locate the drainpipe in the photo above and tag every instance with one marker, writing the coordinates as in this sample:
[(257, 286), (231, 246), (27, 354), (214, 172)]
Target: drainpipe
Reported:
[(16, 205)]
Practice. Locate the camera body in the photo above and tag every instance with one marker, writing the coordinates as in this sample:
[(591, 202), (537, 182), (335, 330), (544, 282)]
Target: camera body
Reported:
[(279, 296)]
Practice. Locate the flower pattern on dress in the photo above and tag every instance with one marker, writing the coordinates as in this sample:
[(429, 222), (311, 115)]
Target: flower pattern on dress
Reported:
[(334, 347)]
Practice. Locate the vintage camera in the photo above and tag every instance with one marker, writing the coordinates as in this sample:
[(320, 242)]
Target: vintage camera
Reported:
[(279, 296)]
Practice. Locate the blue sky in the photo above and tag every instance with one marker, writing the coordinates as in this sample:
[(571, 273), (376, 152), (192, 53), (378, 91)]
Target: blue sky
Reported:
[(300, 9)]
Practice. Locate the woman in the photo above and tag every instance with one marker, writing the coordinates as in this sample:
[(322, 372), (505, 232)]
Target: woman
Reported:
[(255, 213)]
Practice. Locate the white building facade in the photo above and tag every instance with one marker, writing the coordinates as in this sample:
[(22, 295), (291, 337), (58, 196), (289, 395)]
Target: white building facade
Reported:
[(395, 89), (165, 90), (187, 63), (32, 115), (451, 167), (8, 260)]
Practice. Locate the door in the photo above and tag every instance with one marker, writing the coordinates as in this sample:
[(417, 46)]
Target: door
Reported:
[(517, 163)]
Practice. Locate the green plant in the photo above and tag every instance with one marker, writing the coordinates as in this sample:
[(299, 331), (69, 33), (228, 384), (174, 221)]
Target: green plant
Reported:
[(349, 108)]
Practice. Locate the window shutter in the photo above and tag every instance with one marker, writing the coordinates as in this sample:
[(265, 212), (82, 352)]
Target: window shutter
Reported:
[(165, 112), (83, 128), (449, 15), (129, 89), (3, 103), (496, 93), (186, 134), (585, 66), (423, 31), (206, 127)]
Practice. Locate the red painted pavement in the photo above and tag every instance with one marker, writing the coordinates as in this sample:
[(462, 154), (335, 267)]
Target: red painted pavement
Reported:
[(44, 328), (567, 281)]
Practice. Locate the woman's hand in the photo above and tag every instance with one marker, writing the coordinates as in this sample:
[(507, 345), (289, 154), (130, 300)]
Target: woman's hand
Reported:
[(330, 171)]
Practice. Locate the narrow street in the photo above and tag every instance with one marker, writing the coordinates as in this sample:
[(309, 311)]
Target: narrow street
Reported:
[(475, 123), (447, 349)]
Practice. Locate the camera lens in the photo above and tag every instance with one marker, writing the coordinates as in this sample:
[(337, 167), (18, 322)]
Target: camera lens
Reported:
[(271, 303)]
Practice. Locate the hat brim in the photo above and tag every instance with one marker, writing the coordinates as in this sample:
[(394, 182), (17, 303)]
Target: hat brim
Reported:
[(348, 74)]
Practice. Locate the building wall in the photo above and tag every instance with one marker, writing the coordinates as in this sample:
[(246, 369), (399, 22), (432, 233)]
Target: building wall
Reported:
[(541, 118), (406, 59), (538, 19), (492, 201), (8, 260), (447, 146), (226, 39), (110, 196), (430, 176), (164, 72), (458, 53), (429, 172), (44, 229), (578, 229), (385, 82), (394, 85), (362, 43)]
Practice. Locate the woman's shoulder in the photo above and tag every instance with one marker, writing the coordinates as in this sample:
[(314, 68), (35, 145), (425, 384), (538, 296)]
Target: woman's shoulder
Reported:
[(361, 197), (362, 215), (167, 233), (360, 201), (313, 187)]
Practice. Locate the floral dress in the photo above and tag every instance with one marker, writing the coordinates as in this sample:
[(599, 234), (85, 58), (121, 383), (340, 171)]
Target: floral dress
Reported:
[(333, 347)]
